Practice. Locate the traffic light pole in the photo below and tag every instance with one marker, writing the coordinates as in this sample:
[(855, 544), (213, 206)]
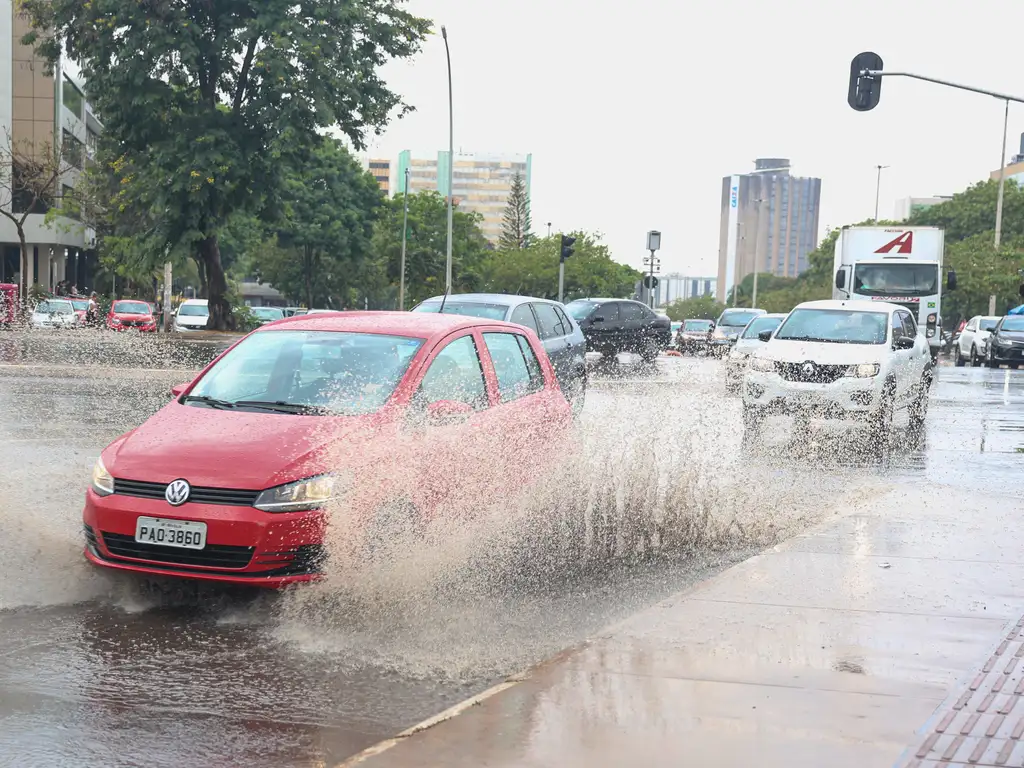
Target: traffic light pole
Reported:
[(561, 278), (650, 289)]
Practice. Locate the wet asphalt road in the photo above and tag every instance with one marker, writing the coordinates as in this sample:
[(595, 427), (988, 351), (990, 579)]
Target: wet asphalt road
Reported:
[(96, 671)]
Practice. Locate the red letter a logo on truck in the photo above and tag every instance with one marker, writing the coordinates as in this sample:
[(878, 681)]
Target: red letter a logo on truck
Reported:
[(904, 243)]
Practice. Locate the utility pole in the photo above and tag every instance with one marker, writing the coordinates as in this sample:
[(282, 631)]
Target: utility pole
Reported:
[(405, 231), (167, 297), (878, 188), (451, 164), (651, 282), (549, 229), (1002, 179)]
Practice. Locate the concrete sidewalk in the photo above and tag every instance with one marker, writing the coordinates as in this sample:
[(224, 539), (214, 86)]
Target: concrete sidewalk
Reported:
[(856, 644)]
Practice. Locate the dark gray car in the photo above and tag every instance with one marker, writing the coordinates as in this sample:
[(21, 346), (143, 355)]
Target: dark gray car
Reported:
[(558, 331)]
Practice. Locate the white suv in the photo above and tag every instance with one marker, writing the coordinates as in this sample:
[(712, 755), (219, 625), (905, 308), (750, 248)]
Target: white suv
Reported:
[(973, 340), (841, 360)]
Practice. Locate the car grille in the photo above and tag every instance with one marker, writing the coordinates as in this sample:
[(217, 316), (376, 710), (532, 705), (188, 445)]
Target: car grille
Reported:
[(821, 374), (212, 556), (134, 323), (198, 495)]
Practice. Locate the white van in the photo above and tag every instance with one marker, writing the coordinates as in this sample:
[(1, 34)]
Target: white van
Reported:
[(192, 315)]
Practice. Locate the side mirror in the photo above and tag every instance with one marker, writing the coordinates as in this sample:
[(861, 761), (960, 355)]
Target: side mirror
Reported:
[(951, 280), (448, 412), (904, 342), (841, 279), (765, 335), (177, 390)]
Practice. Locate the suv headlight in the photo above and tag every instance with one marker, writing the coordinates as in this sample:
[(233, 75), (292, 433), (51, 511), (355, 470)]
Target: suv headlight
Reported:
[(763, 364), (102, 481), (863, 371), (311, 493)]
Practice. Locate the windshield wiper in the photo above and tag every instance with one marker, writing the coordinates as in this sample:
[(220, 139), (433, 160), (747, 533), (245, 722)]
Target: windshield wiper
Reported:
[(213, 402), (280, 406)]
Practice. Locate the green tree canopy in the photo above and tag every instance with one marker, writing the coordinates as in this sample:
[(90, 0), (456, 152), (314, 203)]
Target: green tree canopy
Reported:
[(696, 308), (212, 100), (973, 212)]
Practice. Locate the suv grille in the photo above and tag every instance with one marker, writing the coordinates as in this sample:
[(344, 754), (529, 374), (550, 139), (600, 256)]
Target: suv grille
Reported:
[(811, 372), (198, 495), (213, 556)]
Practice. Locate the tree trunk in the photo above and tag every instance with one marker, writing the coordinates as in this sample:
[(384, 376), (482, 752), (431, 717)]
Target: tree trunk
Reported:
[(23, 288), (204, 292), (221, 318)]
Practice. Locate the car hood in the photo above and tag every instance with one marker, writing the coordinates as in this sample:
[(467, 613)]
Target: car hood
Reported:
[(748, 345), (823, 353), (245, 450), (1012, 335)]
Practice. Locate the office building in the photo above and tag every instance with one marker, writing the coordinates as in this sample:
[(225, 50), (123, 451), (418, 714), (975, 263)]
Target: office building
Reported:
[(768, 216), (381, 170), (1014, 170), (37, 113), (677, 287), (481, 183), (908, 206)]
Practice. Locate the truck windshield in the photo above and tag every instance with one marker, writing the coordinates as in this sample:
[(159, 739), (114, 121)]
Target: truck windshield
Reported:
[(896, 279)]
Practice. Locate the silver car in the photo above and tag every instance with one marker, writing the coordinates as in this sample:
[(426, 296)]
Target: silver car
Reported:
[(558, 331), (748, 343)]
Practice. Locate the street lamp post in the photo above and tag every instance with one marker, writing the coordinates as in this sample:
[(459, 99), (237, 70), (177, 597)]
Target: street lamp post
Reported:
[(451, 163), (653, 245), (405, 233), (878, 187), (1002, 178)]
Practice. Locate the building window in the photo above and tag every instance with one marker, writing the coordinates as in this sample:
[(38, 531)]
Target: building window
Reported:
[(73, 98), (92, 142), (73, 150)]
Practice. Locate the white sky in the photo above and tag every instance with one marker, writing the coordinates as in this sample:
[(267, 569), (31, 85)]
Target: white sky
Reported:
[(634, 111)]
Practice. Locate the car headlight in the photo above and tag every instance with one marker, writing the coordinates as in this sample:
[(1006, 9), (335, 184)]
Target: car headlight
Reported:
[(311, 493), (863, 371), (102, 481), (763, 364)]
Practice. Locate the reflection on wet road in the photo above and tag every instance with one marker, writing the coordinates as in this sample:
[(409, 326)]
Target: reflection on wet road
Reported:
[(94, 671)]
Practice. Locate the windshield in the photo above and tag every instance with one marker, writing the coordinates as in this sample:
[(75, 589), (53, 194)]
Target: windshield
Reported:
[(987, 325), (55, 308), (737, 319), (469, 308), (132, 308), (268, 313), (81, 304), (697, 325), (761, 324), (896, 279), (344, 374), (193, 310), (1013, 324), (579, 310), (839, 326)]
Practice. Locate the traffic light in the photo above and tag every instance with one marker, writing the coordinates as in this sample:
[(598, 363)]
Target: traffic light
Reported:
[(567, 249), (865, 90)]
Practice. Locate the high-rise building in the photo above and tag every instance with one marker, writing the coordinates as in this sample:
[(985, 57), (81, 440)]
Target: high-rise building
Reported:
[(481, 183), (908, 206), (1014, 170), (769, 217), (38, 113), (676, 286), (381, 170)]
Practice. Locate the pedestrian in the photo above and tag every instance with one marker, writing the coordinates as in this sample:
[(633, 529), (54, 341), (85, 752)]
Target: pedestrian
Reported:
[(92, 314)]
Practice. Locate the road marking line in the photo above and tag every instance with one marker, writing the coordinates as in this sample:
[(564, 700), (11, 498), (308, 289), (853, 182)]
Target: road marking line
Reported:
[(430, 722)]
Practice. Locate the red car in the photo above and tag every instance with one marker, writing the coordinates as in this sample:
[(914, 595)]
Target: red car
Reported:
[(131, 315), (345, 417)]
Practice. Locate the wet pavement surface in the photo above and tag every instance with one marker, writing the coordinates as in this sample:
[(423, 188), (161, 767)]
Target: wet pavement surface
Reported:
[(96, 670)]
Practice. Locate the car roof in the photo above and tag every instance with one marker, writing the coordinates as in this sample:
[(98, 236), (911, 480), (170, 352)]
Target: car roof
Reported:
[(196, 301), (421, 325), (510, 299), (773, 314), (850, 305)]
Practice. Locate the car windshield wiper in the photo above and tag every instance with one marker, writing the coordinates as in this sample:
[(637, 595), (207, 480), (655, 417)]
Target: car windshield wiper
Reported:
[(280, 406), (213, 402)]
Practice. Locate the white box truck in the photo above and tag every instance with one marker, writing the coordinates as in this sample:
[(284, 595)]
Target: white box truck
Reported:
[(900, 265)]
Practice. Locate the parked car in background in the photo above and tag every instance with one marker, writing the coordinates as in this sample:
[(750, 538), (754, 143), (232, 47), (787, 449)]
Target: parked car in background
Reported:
[(729, 326), (266, 315), (125, 315), (749, 342), (192, 315), (293, 311), (1006, 344), (81, 305), (695, 336), (241, 476), (613, 326), (54, 313), (561, 336), (319, 311), (973, 341)]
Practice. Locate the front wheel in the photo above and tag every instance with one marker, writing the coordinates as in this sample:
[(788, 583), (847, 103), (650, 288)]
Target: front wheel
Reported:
[(991, 362), (882, 420), (919, 408), (578, 397), (958, 359)]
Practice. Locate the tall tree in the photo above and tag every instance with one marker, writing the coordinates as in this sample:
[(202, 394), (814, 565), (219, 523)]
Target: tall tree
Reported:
[(516, 228), (325, 232), (973, 212), (213, 99)]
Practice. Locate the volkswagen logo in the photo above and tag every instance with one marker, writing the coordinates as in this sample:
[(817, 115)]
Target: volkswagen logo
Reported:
[(807, 369), (177, 493)]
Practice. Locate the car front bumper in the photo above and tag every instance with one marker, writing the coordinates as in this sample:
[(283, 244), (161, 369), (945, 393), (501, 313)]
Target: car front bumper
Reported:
[(244, 545), (846, 398), (1005, 354)]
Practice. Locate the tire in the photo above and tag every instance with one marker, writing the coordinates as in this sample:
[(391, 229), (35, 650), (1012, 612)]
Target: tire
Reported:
[(958, 359), (882, 421), (975, 360), (649, 351), (991, 362), (578, 398), (919, 409)]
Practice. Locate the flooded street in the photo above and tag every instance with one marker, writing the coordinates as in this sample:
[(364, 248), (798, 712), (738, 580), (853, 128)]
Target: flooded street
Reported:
[(96, 670)]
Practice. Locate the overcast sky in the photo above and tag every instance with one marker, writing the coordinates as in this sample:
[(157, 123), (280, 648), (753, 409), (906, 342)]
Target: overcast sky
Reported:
[(634, 111)]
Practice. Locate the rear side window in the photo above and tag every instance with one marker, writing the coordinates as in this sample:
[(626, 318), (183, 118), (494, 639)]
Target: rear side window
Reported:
[(897, 326), (515, 378), (550, 324), (609, 311), (455, 374), (523, 315), (909, 324), (566, 323)]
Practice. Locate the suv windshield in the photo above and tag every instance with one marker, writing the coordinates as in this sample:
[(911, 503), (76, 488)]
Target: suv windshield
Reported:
[(736, 319), (193, 310), (468, 308), (699, 326), (1013, 324), (761, 324), (896, 279), (839, 326), (55, 308), (343, 374), (580, 310), (131, 308)]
